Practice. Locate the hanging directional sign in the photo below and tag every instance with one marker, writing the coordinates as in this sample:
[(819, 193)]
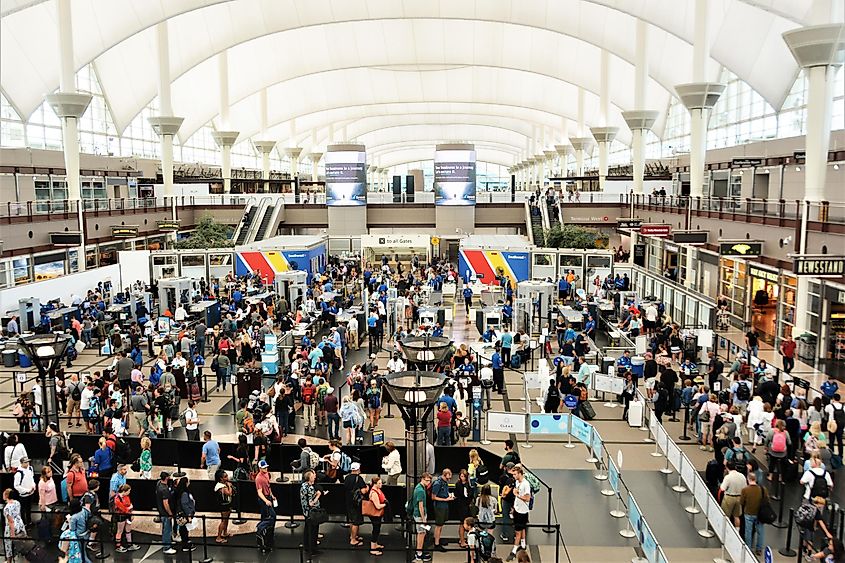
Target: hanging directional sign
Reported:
[(169, 225), (656, 230), (690, 237), (631, 224)]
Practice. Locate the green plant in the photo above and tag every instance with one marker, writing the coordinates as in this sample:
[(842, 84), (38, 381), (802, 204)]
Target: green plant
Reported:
[(208, 234), (573, 236)]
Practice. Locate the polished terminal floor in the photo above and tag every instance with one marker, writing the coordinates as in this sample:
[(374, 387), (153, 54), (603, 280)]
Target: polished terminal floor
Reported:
[(588, 532)]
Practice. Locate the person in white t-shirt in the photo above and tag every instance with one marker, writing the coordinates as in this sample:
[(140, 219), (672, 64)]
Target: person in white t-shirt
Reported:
[(180, 314), (816, 471), (522, 498), (14, 452), (395, 364), (192, 422)]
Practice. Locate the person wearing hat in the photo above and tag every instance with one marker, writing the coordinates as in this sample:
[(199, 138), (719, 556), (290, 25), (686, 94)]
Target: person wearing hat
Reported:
[(356, 491), (24, 483), (267, 501)]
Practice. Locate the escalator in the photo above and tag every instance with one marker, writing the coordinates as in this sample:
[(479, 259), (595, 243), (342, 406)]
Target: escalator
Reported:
[(537, 227), (261, 233), (242, 232), (553, 211)]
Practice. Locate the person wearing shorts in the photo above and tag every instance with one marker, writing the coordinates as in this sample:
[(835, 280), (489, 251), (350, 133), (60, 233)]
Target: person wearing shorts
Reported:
[(418, 500), (521, 507), (442, 497), (732, 486)]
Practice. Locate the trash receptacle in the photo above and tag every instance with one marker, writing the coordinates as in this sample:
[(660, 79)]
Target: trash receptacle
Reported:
[(10, 358), (23, 360)]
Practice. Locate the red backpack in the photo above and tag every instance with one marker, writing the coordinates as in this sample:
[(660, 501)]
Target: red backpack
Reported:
[(308, 394)]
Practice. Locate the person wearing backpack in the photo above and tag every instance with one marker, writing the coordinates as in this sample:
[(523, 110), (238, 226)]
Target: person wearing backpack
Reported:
[(552, 400), (816, 480), (480, 542), (308, 393), (741, 393), (372, 397), (737, 454), (835, 412), (74, 393), (808, 517), (777, 446)]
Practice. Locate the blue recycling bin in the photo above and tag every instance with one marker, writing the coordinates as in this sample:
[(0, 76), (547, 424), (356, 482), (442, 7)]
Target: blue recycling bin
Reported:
[(24, 361), (637, 366)]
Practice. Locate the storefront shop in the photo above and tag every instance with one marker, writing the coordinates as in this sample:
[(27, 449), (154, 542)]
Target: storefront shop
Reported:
[(826, 320), (760, 297)]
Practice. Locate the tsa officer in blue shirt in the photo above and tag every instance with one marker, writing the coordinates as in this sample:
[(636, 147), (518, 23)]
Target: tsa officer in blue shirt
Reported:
[(507, 314), (438, 330), (624, 363), (498, 371), (590, 327), (467, 299)]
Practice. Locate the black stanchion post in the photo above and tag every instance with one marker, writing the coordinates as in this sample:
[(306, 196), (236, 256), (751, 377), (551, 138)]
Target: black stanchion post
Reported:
[(841, 522), (787, 550), (549, 528), (205, 398), (779, 524), (205, 557), (685, 437), (240, 519), (301, 554), (291, 524), (234, 402), (557, 542)]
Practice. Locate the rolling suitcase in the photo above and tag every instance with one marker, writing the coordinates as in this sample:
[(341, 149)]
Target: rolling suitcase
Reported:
[(587, 411)]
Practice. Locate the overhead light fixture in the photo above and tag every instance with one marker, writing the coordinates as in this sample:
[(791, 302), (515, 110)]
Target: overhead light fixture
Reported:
[(836, 167), (798, 169)]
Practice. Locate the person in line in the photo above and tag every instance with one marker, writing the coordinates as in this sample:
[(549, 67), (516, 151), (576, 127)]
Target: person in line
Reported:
[(164, 497), (379, 503), (419, 499), (309, 498), (356, 491), (24, 483), (123, 515), (441, 496), (392, 463), (15, 526), (192, 422), (444, 425), (47, 496), (835, 412), (223, 492), (145, 461), (750, 499), (186, 509), (521, 508), (268, 503), (732, 486), (210, 455)]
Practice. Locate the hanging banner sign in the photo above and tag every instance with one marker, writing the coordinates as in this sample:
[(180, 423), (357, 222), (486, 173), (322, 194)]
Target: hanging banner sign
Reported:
[(745, 248), (690, 237), (169, 226), (746, 162), (656, 230), (124, 231), (821, 266)]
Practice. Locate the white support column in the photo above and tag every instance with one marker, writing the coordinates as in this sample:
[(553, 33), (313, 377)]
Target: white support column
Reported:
[(315, 162), (264, 147), (165, 125), (293, 154), (817, 49), (564, 151), (699, 97), (581, 145), (225, 138), (69, 106), (640, 121)]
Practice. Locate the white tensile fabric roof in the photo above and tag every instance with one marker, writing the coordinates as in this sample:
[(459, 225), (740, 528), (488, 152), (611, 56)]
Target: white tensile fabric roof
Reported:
[(408, 67)]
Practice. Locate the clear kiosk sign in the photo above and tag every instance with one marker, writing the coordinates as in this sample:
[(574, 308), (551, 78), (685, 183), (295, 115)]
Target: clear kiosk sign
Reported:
[(820, 266)]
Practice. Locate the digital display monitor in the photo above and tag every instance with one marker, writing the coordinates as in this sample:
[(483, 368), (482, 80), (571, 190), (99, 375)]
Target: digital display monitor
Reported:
[(346, 175), (454, 174)]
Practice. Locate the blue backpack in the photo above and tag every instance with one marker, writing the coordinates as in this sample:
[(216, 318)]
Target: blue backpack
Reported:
[(516, 361), (345, 462)]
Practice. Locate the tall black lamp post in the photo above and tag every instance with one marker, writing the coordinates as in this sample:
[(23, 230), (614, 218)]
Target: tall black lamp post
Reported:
[(415, 393), (46, 352)]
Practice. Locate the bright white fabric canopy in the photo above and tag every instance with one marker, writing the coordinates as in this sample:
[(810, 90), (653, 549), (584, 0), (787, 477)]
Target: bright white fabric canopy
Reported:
[(334, 61)]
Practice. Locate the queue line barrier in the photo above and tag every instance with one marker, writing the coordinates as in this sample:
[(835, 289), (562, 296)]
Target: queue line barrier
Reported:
[(701, 500), (636, 526)]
